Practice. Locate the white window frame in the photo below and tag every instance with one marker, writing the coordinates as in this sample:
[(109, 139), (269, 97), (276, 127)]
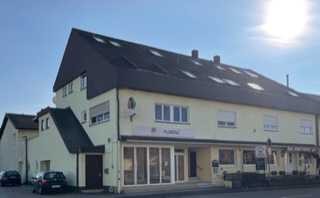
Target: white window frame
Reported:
[(83, 82), (304, 129), (84, 116), (104, 116), (70, 88), (64, 91), (226, 125), (270, 127), (47, 125), (234, 156), (134, 146), (171, 109)]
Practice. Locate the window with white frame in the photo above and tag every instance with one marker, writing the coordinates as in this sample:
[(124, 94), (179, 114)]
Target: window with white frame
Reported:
[(171, 113), (270, 123), (306, 127), (84, 116), (47, 123), (70, 88), (227, 119), (138, 159), (100, 113), (226, 156), (249, 157), (42, 125), (64, 91), (83, 82)]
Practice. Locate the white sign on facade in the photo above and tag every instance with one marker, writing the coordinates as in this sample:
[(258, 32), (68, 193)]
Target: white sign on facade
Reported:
[(260, 151), (162, 132)]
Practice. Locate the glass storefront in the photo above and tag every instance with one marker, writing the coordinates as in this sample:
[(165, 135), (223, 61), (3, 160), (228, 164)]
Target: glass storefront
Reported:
[(146, 165)]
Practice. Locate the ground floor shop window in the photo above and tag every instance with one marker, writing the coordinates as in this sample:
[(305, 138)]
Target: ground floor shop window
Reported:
[(226, 156), (249, 157), (166, 165), (146, 165), (154, 165), (128, 155), (141, 165)]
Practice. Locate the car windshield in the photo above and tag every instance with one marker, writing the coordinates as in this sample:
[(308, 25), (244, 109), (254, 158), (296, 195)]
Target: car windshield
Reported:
[(12, 173), (52, 175)]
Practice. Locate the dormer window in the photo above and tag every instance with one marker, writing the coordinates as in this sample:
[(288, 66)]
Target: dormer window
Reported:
[(83, 82)]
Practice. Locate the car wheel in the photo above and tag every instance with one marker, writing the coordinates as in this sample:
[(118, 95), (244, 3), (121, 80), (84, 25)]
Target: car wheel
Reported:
[(40, 191)]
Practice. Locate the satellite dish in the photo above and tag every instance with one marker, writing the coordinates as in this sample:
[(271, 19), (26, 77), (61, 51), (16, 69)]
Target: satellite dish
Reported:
[(131, 108)]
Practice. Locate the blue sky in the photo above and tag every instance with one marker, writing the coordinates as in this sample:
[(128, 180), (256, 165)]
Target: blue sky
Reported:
[(34, 33)]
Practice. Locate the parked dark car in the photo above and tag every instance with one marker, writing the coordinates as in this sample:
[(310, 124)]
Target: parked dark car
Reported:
[(50, 181), (10, 177)]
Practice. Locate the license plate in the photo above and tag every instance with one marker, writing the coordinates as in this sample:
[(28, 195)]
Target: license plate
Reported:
[(56, 186)]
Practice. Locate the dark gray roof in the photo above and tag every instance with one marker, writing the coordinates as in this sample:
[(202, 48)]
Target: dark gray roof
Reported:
[(313, 97), (73, 135), (133, 66), (19, 121)]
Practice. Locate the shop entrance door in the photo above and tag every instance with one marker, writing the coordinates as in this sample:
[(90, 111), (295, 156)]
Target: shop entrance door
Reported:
[(179, 166)]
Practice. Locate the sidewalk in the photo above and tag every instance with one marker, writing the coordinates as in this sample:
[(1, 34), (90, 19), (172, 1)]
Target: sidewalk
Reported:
[(212, 190)]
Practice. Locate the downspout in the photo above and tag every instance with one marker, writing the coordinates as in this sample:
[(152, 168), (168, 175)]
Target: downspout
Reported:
[(26, 162), (317, 141), (317, 130), (77, 170), (118, 143)]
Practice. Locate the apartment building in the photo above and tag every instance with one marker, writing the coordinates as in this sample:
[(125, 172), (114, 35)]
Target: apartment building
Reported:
[(129, 115)]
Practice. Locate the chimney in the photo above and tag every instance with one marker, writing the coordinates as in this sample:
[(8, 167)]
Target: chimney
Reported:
[(216, 59), (195, 53), (287, 77)]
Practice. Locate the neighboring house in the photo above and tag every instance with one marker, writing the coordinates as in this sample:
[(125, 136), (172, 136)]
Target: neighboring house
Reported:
[(15, 133), (132, 115)]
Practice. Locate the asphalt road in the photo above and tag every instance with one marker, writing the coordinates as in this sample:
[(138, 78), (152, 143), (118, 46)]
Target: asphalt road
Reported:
[(25, 192)]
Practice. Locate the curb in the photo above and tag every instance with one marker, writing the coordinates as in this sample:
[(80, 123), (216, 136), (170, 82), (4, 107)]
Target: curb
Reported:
[(211, 191)]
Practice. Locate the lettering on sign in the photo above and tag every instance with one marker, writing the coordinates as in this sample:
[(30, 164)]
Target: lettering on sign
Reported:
[(162, 132)]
